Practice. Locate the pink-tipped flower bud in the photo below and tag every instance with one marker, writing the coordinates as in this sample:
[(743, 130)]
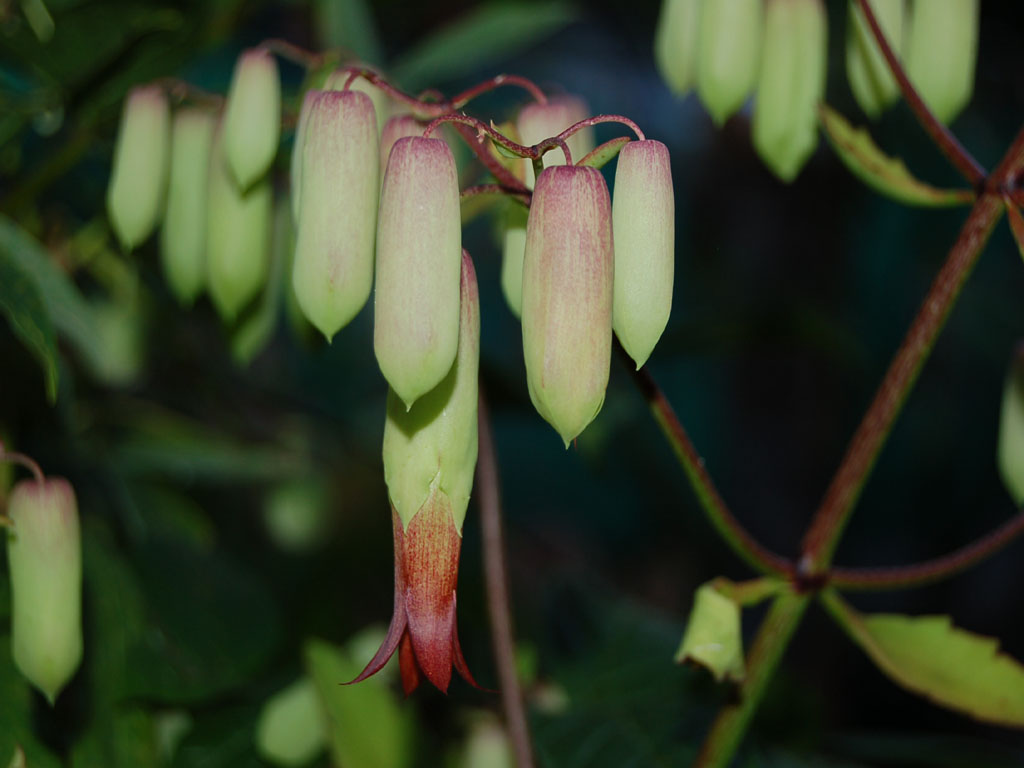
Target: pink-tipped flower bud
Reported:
[(383, 105), (333, 267), (397, 127), (419, 248), (252, 123), (568, 273), (138, 179), (537, 122), (44, 555), (643, 222)]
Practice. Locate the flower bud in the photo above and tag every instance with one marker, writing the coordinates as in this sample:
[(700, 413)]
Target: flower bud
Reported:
[(729, 53), (183, 235), (675, 43), (870, 78), (537, 122), (942, 48), (333, 268), (295, 170), (1010, 452), (382, 103), (138, 178), (237, 236), (397, 127), (512, 252), (643, 223), (44, 555), (713, 636), (252, 122), (419, 247), (434, 443), (567, 297), (791, 83)]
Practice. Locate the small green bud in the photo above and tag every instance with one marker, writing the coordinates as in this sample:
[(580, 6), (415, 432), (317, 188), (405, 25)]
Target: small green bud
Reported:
[(382, 103), (729, 53), (138, 178), (333, 268), (792, 82), (397, 127), (292, 728), (295, 170), (1010, 451), (568, 272), (183, 234), (537, 122), (870, 78), (419, 247), (675, 43), (942, 49), (713, 637), (120, 328), (513, 249), (643, 223), (44, 555), (237, 237), (252, 120), (434, 443)]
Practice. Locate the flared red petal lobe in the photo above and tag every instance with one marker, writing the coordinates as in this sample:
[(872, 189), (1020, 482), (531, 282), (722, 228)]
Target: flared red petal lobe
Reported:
[(675, 43), (729, 52), (419, 248), (138, 178), (643, 223), (567, 297), (942, 51), (433, 445), (252, 122), (333, 267), (237, 237), (383, 105), (791, 83), (513, 248), (183, 234), (870, 78), (537, 122), (44, 557), (397, 127), (295, 169)]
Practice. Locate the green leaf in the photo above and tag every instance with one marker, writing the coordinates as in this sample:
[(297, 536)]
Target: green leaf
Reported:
[(931, 657), (21, 303), (882, 173), (604, 154), (348, 24), (482, 36), (16, 720)]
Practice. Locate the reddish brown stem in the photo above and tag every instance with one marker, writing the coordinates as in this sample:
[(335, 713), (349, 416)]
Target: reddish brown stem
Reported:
[(961, 159), (504, 176), (496, 189), (26, 461), (293, 53), (598, 119), (462, 99)]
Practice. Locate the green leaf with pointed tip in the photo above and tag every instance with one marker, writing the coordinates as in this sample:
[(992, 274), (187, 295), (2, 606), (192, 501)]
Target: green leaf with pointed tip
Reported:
[(884, 174), (603, 154), (21, 303), (931, 657)]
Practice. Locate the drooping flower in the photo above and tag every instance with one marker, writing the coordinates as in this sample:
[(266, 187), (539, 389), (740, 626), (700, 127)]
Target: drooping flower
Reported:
[(729, 52), (675, 43), (942, 52), (252, 120), (872, 83)]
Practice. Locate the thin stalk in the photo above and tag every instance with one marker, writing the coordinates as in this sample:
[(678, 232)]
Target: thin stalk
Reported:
[(462, 99), (28, 462), (496, 189), (715, 509), (498, 603), (598, 119), (293, 53)]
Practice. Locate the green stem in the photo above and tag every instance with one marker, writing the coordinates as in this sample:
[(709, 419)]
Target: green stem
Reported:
[(772, 638)]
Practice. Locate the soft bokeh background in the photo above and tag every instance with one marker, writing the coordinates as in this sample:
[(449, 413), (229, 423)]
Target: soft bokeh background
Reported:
[(790, 301)]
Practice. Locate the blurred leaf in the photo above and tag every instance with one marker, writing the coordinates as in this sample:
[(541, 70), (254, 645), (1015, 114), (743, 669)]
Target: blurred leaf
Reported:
[(21, 303), (604, 154), (368, 727), (928, 751), (882, 173), (348, 24), (221, 738), (931, 657), (16, 698), (475, 205), (292, 727), (124, 738), (485, 34)]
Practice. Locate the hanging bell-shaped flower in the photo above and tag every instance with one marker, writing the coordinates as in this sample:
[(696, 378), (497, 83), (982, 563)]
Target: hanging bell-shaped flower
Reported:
[(44, 557), (138, 179), (713, 637), (333, 267), (252, 120), (397, 127), (383, 104), (419, 246), (675, 43), (568, 272), (537, 122), (870, 78), (643, 223), (729, 53), (942, 51), (791, 83)]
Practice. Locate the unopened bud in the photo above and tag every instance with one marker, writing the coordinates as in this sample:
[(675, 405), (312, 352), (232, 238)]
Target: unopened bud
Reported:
[(397, 127), (138, 178), (183, 235), (237, 237), (567, 297), (942, 49), (44, 555), (713, 635), (729, 53), (870, 78), (675, 43), (433, 445), (382, 103), (513, 248), (419, 247), (792, 82), (252, 121), (643, 223), (295, 169), (537, 122), (333, 268)]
